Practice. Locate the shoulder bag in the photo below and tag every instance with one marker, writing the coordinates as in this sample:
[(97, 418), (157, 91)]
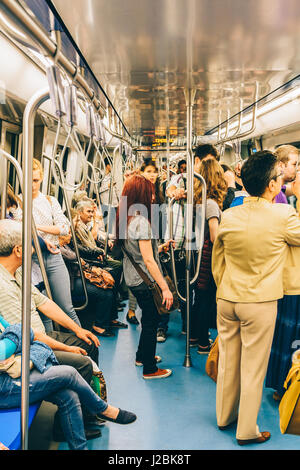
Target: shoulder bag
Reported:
[(289, 408), (211, 366), (155, 289)]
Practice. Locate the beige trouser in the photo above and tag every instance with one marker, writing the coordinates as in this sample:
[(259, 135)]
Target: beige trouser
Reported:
[(245, 338)]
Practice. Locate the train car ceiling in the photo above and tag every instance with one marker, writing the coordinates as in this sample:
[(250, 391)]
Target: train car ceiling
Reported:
[(138, 56), (144, 53)]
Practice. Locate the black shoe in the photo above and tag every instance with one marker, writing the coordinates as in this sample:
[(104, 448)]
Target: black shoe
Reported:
[(93, 422), (122, 304), (118, 324), (106, 333), (133, 320), (58, 434), (124, 417), (161, 335)]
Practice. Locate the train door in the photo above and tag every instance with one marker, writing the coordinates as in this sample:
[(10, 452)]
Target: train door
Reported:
[(11, 142)]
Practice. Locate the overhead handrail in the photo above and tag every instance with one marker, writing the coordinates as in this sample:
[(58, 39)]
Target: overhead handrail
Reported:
[(59, 97), (76, 249), (110, 196), (201, 237), (253, 123), (64, 101), (220, 127)]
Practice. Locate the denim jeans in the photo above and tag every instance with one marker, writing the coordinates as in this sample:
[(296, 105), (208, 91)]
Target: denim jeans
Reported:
[(149, 322), (59, 281), (63, 386)]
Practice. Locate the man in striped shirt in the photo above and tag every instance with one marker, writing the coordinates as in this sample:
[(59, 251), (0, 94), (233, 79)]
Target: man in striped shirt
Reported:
[(69, 348)]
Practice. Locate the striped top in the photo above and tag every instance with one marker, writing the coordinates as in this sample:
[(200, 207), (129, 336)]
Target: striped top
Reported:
[(11, 299)]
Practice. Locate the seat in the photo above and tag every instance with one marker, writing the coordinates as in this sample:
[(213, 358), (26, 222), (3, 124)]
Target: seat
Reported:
[(10, 425)]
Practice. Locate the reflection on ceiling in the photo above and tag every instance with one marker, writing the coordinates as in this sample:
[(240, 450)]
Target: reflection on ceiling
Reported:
[(145, 52)]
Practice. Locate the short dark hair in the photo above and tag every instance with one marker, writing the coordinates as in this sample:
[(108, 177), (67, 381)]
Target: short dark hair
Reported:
[(106, 161), (257, 171), (181, 162), (206, 149)]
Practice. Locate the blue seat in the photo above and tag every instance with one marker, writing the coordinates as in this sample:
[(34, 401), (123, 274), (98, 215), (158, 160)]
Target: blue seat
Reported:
[(10, 425)]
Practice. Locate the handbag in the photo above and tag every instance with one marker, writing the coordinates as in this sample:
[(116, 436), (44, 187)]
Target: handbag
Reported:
[(211, 366), (155, 289), (98, 276), (98, 384), (12, 366), (289, 407), (205, 273)]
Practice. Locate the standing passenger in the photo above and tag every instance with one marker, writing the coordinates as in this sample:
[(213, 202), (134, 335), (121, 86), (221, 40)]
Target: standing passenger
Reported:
[(134, 234), (287, 328), (248, 259), (51, 223), (150, 171), (204, 308)]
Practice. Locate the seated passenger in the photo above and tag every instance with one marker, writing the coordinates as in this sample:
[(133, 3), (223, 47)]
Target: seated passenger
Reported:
[(253, 238), (287, 329), (100, 302), (10, 298), (69, 348), (58, 384), (90, 251)]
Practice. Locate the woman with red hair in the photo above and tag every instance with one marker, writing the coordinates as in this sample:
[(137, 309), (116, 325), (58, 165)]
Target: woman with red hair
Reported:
[(134, 232)]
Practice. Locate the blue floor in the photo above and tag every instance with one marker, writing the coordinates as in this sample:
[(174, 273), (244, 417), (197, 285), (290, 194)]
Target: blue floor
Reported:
[(173, 413)]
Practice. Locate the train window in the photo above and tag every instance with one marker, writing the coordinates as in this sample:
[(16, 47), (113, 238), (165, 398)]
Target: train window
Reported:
[(10, 143)]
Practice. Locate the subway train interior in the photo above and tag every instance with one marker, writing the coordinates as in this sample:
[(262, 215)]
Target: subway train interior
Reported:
[(87, 83)]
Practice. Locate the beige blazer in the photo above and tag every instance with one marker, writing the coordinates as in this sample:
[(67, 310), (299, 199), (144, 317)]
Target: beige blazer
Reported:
[(251, 259)]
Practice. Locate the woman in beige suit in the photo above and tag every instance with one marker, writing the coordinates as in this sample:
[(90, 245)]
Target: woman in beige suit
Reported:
[(247, 262)]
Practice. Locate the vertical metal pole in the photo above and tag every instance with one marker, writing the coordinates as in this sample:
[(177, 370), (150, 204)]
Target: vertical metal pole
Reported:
[(4, 176), (28, 147), (168, 156), (111, 189), (189, 98)]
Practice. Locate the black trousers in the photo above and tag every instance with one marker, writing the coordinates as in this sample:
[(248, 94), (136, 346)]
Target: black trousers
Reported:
[(81, 363), (149, 322), (204, 313)]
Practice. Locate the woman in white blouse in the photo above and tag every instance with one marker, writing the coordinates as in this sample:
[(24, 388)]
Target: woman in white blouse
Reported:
[(52, 223)]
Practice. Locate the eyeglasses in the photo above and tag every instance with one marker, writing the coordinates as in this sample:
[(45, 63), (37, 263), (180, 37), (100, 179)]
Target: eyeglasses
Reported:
[(277, 176)]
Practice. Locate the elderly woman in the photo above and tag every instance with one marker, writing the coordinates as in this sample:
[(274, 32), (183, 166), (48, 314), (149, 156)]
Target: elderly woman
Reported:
[(248, 258)]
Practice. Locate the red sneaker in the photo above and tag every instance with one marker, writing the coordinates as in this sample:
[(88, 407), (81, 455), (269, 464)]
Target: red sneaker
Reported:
[(159, 374)]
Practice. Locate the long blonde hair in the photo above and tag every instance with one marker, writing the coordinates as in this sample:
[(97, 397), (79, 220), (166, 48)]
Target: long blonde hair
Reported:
[(37, 166), (216, 185)]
